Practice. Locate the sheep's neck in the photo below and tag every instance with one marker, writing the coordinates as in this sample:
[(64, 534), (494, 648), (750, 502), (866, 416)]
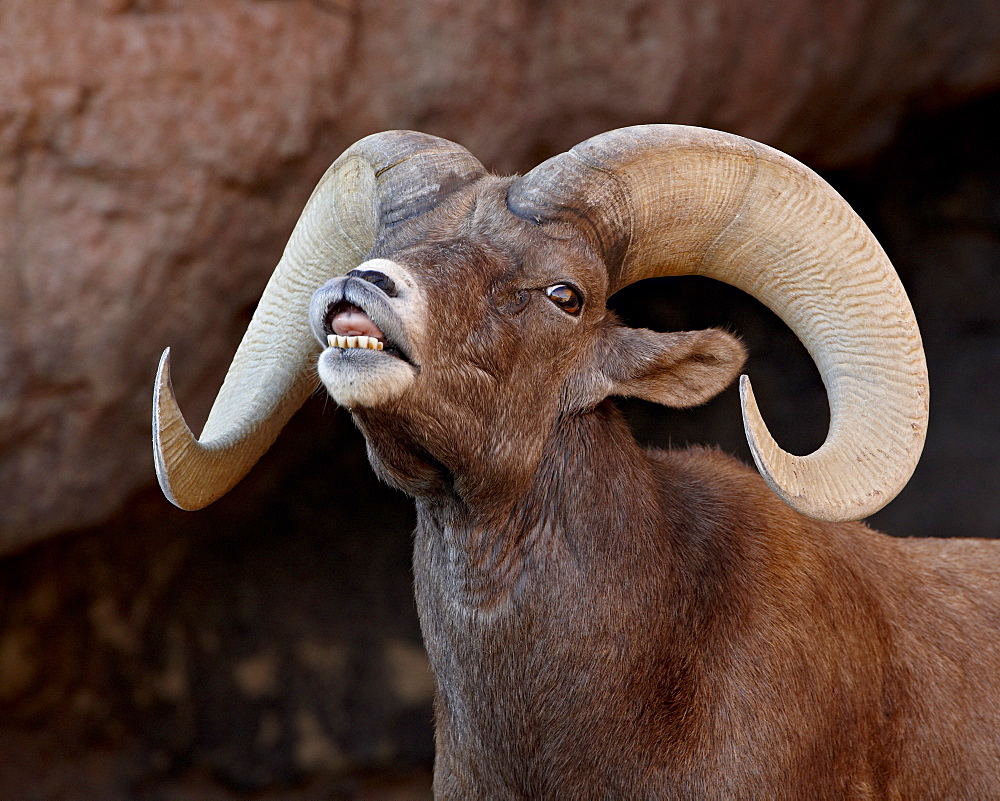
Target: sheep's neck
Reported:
[(504, 593), (480, 550)]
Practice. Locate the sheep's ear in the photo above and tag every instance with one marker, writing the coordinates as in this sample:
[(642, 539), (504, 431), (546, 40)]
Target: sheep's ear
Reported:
[(675, 369)]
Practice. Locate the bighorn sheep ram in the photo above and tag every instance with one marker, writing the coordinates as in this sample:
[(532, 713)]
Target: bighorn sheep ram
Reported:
[(604, 621)]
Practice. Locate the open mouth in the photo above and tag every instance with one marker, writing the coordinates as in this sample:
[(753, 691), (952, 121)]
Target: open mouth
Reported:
[(368, 357), (348, 327)]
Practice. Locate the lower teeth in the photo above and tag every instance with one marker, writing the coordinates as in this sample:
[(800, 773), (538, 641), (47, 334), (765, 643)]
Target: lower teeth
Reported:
[(358, 342)]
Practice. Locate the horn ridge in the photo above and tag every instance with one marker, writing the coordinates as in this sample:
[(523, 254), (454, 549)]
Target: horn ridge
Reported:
[(606, 218), (708, 203), (416, 172)]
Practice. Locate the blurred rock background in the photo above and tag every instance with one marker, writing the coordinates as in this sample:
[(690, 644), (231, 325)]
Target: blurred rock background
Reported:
[(154, 155)]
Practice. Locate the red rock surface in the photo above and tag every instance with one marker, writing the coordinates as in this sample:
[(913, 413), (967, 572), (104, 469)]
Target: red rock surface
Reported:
[(154, 155)]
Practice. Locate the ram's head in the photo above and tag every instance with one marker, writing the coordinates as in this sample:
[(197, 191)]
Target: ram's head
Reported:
[(440, 299)]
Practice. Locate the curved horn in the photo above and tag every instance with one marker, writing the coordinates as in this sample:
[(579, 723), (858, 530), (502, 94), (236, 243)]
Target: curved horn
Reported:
[(378, 182), (662, 200)]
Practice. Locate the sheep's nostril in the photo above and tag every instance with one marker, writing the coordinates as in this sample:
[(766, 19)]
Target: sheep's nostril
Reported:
[(381, 280)]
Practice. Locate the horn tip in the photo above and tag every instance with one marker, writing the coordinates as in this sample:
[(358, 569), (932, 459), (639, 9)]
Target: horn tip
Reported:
[(788, 476), (165, 412), (756, 431)]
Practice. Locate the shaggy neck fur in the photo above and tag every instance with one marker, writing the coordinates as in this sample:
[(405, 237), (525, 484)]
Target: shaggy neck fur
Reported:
[(512, 588)]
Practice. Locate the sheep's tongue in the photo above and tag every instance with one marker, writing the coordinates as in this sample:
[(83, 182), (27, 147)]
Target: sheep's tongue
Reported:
[(353, 322)]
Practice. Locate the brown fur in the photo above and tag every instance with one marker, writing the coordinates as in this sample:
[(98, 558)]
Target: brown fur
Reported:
[(605, 622)]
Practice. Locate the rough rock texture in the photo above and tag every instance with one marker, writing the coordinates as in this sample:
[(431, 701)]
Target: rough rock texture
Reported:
[(267, 646), (155, 153)]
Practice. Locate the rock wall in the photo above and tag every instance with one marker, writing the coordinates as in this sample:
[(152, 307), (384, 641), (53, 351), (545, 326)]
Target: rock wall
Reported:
[(154, 155)]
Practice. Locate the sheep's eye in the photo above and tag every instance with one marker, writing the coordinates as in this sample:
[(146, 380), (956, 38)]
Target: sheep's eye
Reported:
[(565, 297)]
